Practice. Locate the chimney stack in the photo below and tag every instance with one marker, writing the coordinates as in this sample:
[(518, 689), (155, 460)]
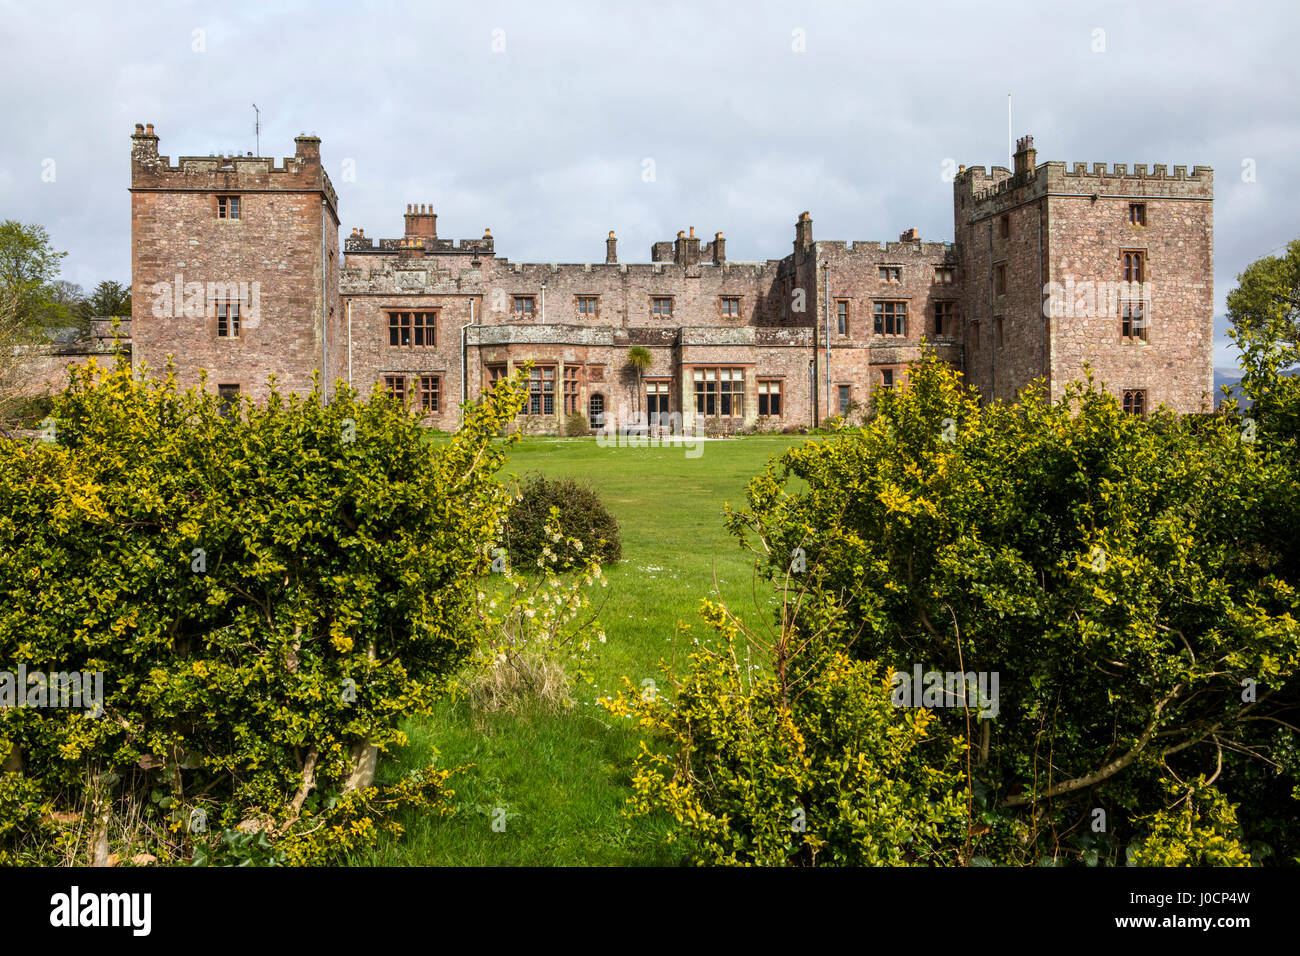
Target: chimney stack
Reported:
[(421, 222), (144, 144), (911, 235), (803, 232), (691, 249), (1024, 156), (611, 249), (719, 249), (307, 148)]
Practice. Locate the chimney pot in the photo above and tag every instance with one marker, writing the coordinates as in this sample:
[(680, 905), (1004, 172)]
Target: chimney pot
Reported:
[(692, 232), (148, 129), (139, 129)]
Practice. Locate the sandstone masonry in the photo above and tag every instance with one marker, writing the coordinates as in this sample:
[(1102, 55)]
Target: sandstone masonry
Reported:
[(731, 344)]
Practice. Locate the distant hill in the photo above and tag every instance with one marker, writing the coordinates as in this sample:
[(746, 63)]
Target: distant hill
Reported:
[(1230, 377)]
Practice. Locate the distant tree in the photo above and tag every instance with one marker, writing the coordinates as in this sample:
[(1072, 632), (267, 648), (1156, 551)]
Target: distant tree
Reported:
[(639, 359), (29, 266), (60, 306), (109, 298), (1264, 317), (1266, 302)]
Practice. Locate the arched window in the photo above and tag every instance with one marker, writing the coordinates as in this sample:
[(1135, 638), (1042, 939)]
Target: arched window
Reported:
[(596, 410)]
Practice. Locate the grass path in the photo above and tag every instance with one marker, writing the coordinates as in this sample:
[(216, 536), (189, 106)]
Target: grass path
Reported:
[(563, 779)]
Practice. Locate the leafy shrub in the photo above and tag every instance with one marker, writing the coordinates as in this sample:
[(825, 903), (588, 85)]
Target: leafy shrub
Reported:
[(801, 761), (575, 424), (266, 596), (537, 631), (1201, 830), (1133, 582), (581, 516)]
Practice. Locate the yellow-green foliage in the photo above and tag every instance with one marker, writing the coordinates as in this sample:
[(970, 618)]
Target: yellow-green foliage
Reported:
[(1201, 830), (340, 554), (1134, 582), (813, 767)]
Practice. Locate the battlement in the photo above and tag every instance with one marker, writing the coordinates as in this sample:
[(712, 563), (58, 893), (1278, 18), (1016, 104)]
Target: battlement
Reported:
[(877, 248), (302, 171), (1140, 171), (540, 270)]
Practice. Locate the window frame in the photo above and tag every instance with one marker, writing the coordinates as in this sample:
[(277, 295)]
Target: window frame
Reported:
[(226, 399), (658, 390), (580, 300), (399, 389), (890, 274), (843, 407), (225, 203), (224, 316), (880, 326), (724, 301), (733, 398), (572, 388), (766, 394), (427, 391), (655, 305), (1133, 328), (843, 315), (1000, 278), (413, 324), (945, 314), (517, 300), (1137, 214), (1133, 265), (1133, 401), (539, 395)]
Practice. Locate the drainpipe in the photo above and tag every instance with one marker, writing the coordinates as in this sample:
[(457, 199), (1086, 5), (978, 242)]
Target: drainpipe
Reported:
[(826, 275), (1047, 328), (324, 307), (991, 337), (464, 356), (349, 343), (812, 382), (543, 303)]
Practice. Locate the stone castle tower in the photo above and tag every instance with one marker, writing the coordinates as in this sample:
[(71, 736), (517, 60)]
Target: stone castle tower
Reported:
[(234, 266), (1128, 262)]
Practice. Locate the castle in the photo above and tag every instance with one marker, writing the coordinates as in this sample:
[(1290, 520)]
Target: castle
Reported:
[(235, 268)]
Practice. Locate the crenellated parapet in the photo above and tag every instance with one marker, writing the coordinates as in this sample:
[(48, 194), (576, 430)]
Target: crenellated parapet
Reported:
[(301, 172)]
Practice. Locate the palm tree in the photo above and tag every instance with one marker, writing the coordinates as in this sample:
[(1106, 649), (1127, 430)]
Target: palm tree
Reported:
[(639, 359)]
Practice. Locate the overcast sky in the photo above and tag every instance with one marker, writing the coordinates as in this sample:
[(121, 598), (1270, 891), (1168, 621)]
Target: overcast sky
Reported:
[(537, 118)]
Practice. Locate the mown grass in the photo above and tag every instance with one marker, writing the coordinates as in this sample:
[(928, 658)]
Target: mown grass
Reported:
[(563, 779)]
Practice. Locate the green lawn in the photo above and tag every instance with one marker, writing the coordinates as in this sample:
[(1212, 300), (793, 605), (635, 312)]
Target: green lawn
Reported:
[(563, 779)]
